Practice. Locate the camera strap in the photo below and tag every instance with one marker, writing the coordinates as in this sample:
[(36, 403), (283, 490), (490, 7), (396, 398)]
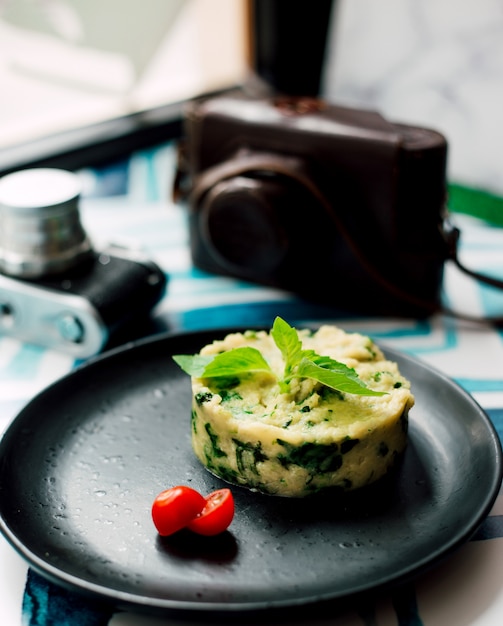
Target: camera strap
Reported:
[(248, 162)]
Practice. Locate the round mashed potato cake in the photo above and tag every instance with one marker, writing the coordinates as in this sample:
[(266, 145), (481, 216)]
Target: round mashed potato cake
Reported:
[(310, 438)]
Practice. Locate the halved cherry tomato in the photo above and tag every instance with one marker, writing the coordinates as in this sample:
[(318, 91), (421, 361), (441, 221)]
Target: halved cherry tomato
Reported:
[(217, 514), (174, 508)]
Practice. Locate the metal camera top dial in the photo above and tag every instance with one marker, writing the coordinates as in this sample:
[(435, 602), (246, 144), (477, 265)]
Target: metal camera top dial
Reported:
[(40, 228)]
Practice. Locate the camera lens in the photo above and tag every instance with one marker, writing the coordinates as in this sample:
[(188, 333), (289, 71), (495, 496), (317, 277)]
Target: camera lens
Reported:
[(241, 226), (40, 228)]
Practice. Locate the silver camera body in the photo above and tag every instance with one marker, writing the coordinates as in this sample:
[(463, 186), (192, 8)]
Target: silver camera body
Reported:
[(56, 290)]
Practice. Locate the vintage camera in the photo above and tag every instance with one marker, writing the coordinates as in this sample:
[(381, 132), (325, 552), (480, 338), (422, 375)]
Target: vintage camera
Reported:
[(332, 203), (56, 290)]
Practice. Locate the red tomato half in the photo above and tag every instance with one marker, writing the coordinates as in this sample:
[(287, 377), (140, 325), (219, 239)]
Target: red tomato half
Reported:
[(217, 514), (174, 508)]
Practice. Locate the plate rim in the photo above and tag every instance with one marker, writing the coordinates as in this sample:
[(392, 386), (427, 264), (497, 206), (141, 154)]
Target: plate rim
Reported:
[(139, 602)]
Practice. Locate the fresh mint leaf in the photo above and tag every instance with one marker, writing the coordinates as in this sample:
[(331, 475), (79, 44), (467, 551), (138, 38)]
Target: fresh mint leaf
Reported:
[(288, 342), (231, 363), (301, 363), (235, 362), (331, 364), (322, 361), (341, 378), (193, 364)]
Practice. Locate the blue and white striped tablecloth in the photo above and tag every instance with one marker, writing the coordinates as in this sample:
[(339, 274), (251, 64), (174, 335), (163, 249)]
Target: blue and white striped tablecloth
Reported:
[(130, 202)]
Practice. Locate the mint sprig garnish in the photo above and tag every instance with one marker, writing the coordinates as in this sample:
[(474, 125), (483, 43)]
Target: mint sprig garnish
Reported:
[(299, 363), (229, 363)]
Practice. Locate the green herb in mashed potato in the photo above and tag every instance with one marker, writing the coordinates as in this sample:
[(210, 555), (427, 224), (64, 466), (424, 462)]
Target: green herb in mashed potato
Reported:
[(299, 363)]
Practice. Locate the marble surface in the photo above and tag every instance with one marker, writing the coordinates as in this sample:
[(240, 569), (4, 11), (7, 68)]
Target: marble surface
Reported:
[(434, 63)]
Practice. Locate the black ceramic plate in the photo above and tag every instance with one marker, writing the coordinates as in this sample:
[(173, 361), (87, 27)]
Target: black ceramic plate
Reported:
[(83, 461)]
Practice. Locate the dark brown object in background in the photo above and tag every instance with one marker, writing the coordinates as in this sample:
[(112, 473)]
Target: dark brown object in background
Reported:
[(288, 42)]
